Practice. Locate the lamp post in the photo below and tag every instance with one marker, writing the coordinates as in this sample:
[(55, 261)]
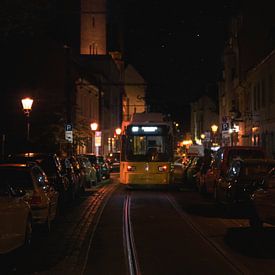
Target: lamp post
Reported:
[(94, 127), (118, 133), (214, 129), (27, 107)]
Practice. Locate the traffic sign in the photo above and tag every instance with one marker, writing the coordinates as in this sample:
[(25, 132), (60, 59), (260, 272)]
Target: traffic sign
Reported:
[(225, 126), (68, 127), (69, 136)]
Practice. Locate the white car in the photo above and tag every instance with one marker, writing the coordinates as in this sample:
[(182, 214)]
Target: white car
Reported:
[(41, 196), (15, 217)]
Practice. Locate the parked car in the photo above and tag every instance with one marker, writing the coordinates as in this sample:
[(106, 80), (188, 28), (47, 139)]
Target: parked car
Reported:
[(50, 163), (192, 169), (79, 173), (114, 167), (104, 167), (41, 196), (113, 160), (113, 157), (263, 202), (89, 171), (69, 172), (205, 166), (93, 159), (178, 171), (241, 180), (15, 217), (222, 160)]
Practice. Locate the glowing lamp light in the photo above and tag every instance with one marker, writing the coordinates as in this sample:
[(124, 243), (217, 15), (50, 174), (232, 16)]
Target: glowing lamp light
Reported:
[(214, 128), (27, 104), (118, 131), (94, 126), (203, 136)]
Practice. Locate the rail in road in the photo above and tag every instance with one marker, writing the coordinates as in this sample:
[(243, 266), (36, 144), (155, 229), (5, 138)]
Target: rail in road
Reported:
[(153, 236), (128, 238), (132, 251)]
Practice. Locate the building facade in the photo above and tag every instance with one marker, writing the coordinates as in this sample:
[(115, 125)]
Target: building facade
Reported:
[(204, 115)]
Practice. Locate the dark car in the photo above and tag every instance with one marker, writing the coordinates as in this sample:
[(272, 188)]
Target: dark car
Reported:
[(193, 169), (222, 160), (93, 160), (113, 160), (50, 163), (69, 172), (104, 167), (263, 202), (241, 180)]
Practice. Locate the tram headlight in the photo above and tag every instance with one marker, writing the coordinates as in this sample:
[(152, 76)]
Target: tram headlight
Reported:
[(163, 168), (131, 168)]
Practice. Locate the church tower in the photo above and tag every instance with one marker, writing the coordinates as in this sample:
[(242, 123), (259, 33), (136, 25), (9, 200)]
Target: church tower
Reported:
[(93, 34)]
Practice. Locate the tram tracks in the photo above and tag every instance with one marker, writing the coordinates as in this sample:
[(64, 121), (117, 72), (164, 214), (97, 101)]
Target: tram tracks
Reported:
[(240, 268), (128, 239)]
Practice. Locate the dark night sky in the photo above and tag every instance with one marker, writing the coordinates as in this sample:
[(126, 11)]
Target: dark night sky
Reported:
[(176, 46)]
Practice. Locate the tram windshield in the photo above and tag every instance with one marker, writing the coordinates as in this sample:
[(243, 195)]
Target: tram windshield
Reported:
[(148, 148)]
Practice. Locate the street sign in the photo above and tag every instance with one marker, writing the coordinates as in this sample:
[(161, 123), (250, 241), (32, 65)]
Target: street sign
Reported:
[(69, 136), (68, 127), (225, 126)]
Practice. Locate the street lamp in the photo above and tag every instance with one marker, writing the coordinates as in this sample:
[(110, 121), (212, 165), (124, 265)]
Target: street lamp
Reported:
[(27, 107), (94, 127), (118, 133), (214, 129)]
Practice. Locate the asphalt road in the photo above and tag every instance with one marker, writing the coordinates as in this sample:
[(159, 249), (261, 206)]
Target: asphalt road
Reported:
[(172, 232)]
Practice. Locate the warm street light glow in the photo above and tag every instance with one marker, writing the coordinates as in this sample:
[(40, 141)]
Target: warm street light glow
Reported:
[(118, 131), (202, 136), (27, 107), (214, 128), (94, 126), (27, 104)]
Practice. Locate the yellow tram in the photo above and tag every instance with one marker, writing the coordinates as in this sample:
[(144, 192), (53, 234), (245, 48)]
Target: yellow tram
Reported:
[(147, 151)]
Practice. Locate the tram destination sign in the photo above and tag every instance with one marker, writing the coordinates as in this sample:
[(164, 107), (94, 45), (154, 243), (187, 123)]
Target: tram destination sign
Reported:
[(147, 130)]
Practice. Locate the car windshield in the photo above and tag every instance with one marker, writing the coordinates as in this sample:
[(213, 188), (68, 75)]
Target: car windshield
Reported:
[(16, 178)]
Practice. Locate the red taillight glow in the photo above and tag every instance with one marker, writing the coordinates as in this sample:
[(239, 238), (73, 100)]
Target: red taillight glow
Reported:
[(131, 168), (163, 168)]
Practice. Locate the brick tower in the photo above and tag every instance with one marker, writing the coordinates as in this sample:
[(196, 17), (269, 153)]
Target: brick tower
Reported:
[(93, 27)]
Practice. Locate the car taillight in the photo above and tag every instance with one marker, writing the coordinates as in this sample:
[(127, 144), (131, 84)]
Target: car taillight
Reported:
[(35, 199), (163, 168), (131, 168)]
